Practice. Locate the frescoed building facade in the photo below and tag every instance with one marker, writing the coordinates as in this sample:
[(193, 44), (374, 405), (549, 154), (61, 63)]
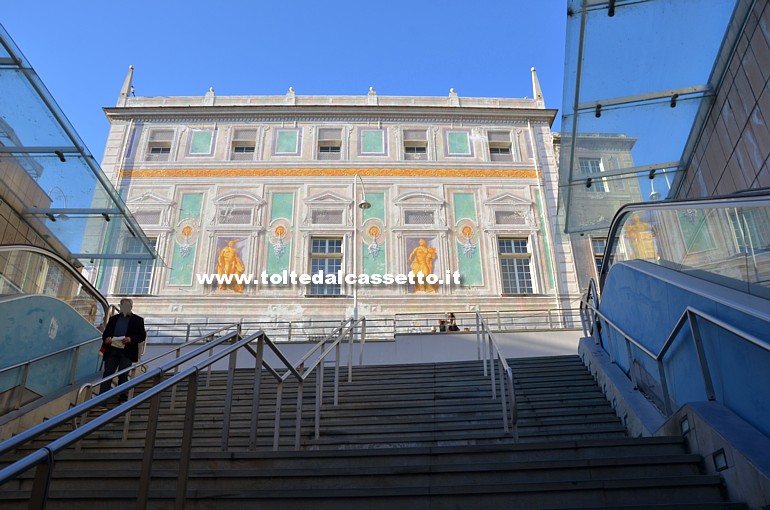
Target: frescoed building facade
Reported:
[(272, 184)]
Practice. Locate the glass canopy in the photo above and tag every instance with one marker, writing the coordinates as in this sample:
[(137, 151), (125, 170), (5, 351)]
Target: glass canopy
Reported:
[(48, 169), (645, 71)]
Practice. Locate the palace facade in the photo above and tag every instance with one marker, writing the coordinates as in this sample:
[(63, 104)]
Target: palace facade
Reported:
[(273, 185)]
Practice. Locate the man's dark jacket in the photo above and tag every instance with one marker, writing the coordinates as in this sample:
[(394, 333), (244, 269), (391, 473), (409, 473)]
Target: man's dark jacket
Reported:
[(135, 332)]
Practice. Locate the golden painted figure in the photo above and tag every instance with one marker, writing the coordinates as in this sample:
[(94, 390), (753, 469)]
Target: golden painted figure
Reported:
[(422, 262), (641, 236), (230, 263)]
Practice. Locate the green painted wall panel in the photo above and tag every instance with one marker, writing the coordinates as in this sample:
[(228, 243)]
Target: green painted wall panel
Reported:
[(546, 241), (287, 142), (373, 142), (469, 267), (282, 207), (182, 267), (465, 206), (192, 204), (276, 265), (201, 142), (377, 210), (371, 264), (459, 143)]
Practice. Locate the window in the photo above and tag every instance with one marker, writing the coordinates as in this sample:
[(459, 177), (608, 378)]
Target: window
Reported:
[(136, 275), (373, 142), (515, 266), (593, 167), (244, 144), (326, 217), (419, 218), (201, 142), (287, 142), (415, 144), (329, 143), (598, 246), (499, 146), (458, 143), (159, 145), (326, 256)]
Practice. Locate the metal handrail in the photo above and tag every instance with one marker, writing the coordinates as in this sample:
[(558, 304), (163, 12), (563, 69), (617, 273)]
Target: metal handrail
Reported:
[(300, 374), (26, 365), (43, 458), (551, 317), (71, 270), (492, 352), (42, 428), (90, 385), (689, 316)]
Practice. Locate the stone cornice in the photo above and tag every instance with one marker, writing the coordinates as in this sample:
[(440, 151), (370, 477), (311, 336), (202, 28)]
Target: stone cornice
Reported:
[(342, 114), (328, 172)]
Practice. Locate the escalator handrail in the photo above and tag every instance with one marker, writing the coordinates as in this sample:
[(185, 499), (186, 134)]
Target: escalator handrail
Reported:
[(68, 266), (747, 198)]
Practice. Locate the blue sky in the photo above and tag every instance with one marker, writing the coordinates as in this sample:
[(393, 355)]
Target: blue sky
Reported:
[(82, 49)]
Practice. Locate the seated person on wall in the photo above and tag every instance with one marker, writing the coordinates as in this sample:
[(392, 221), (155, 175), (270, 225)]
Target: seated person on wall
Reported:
[(452, 324), (442, 325), (122, 336)]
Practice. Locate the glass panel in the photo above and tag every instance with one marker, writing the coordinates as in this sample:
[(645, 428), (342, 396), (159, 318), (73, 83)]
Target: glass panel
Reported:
[(646, 46), (724, 245), (27, 120), (25, 272)]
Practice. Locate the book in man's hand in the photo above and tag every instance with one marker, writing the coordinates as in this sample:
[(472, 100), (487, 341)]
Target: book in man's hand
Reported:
[(117, 342)]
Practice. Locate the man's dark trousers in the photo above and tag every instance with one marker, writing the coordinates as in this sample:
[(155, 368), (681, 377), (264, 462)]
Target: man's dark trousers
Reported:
[(114, 360)]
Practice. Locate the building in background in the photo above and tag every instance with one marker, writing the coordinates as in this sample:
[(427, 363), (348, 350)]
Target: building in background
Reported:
[(272, 184)]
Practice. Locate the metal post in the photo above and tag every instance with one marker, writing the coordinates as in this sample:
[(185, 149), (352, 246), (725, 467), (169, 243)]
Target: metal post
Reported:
[(187, 438), (702, 361), (228, 400), (492, 363), (319, 395), (499, 328), (514, 411), (631, 363), (350, 352), (75, 360), (208, 370), (178, 353), (478, 339), (363, 341), (502, 401), (41, 483), (22, 385), (298, 417), (149, 449), (288, 334), (277, 424), (256, 391), (337, 352), (187, 334), (664, 388)]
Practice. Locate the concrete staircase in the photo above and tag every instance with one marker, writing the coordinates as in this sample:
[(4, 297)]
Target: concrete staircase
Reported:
[(410, 436)]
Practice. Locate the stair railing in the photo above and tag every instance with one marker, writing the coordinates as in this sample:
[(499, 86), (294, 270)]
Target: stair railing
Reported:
[(43, 459), (492, 357), (300, 373), (86, 390), (689, 317)]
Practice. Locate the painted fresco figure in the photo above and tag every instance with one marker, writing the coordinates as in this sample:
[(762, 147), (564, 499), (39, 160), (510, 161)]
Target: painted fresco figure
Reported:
[(641, 236), (421, 259), (230, 263)]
